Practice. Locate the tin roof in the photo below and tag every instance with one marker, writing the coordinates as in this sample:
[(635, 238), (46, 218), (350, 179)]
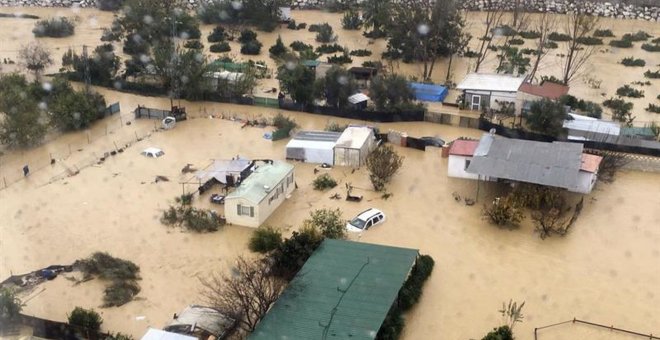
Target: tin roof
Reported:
[(354, 137), (463, 147), (590, 163), (344, 291), (546, 89), (264, 176), (490, 82)]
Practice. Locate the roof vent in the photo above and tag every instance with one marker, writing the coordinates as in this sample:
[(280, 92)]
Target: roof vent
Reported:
[(266, 188)]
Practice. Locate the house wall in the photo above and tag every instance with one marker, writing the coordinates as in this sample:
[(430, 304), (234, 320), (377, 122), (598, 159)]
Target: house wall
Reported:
[(586, 182), (263, 209), (489, 99), (311, 155), (456, 166)]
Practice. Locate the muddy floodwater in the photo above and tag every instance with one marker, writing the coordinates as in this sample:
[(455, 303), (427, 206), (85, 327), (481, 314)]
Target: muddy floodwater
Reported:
[(606, 270)]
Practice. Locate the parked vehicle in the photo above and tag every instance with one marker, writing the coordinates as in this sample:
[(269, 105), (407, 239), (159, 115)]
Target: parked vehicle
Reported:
[(433, 141), (365, 220), (153, 152)]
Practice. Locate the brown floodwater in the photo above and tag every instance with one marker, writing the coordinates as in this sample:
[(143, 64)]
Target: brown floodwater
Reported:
[(605, 270)]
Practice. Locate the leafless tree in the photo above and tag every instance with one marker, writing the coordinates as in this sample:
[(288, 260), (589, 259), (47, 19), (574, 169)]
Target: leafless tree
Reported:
[(493, 20), (245, 294), (578, 26), (35, 58), (544, 25), (519, 23)]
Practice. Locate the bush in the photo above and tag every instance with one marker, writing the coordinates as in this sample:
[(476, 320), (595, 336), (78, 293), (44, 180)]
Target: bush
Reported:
[(627, 91), (328, 222), (194, 44), (591, 109), (392, 325), (314, 28), (120, 293), (185, 199), (551, 44), (327, 49), (201, 221), (108, 267), (621, 43), (606, 33), (528, 51), (351, 20), (503, 211), (265, 239), (652, 75), (251, 48), (282, 122), (554, 36), (653, 108), (10, 305), (516, 42), (639, 36), (340, 59), (335, 127), (217, 35), (590, 41), (299, 46), (323, 182), (325, 34), (278, 49), (220, 47), (292, 254), (247, 35), (631, 61), (360, 53), (383, 163), (530, 34), (55, 28), (501, 333), (651, 47), (620, 109), (87, 319), (412, 288)]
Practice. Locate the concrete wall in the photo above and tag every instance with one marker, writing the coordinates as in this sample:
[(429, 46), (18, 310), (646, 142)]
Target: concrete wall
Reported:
[(587, 180)]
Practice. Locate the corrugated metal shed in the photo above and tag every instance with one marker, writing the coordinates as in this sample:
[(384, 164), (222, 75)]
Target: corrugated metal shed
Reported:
[(490, 82), (553, 164), (344, 290)]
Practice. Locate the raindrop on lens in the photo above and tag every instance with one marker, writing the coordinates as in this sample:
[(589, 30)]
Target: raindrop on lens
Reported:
[(148, 19), (237, 5), (423, 29), (47, 86)]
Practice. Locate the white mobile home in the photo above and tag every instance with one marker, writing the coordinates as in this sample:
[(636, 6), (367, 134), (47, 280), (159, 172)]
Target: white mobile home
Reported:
[(481, 90), (313, 147), (260, 194), (354, 145)]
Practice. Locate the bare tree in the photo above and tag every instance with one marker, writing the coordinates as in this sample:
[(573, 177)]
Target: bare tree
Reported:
[(519, 23), (578, 26), (493, 20), (35, 58), (544, 25), (245, 294)]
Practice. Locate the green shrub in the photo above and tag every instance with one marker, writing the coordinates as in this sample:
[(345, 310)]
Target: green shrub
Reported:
[(185, 199), (247, 35), (283, 122), (327, 49), (193, 44), (325, 33), (627, 91), (340, 59), (120, 293), (651, 47), (503, 211), (552, 79), (58, 27), (360, 53), (652, 75), (631, 61), (265, 239), (412, 288), (606, 33), (551, 44), (84, 318), (328, 222), (217, 35), (220, 47), (620, 109), (108, 267), (251, 48), (392, 326), (314, 28), (294, 252), (500, 333), (653, 108), (377, 64), (591, 109), (278, 49), (621, 43), (335, 127), (554, 36), (528, 51), (516, 42), (351, 20), (590, 41), (324, 182), (300, 46), (639, 36), (530, 34), (10, 305)]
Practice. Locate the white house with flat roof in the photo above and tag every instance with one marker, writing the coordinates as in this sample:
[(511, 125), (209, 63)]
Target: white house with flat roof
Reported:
[(483, 90), (260, 194)]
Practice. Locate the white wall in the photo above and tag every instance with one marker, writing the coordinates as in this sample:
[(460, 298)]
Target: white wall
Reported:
[(456, 167), (263, 209), (586, 182)]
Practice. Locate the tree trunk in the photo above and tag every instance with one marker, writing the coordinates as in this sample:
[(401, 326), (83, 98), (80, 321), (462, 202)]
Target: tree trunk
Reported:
[(428, 76), (451, 58)]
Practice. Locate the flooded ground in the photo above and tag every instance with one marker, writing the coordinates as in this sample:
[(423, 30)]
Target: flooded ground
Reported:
[(604, 271)]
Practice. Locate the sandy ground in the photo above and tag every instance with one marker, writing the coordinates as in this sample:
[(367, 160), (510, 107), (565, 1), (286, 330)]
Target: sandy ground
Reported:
[(604, 271)]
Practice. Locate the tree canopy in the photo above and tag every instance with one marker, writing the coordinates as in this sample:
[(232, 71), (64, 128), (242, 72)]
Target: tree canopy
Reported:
[(337, 85), (297, 80), (547, 117), (392, 93), (23, 124)]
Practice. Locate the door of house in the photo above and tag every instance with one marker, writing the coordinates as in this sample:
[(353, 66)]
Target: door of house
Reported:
[(476, 102)]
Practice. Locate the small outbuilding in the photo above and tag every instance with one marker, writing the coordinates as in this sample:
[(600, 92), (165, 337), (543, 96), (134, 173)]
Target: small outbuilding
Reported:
[(460, 156), (202, 323), (260, 194), (354, 145), (482, 90), (313, 147), (359, 101), (429, 92)]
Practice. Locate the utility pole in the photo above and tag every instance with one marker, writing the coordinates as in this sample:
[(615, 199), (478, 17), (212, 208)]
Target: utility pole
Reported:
[(87, 76)]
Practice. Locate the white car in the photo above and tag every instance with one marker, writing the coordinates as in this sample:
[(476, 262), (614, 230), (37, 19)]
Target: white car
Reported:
[(153, 152), (365, 220)]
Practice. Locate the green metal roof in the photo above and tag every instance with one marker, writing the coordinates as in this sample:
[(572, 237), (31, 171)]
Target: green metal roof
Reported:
[(232, 67), (344, 291), (264, 176), (637, 131)]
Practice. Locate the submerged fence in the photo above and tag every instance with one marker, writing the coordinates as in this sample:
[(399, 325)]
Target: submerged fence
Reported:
[(611, 328)]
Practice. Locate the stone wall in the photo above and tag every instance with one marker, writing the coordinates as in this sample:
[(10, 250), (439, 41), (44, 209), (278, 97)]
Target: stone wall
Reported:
[(622, 9)]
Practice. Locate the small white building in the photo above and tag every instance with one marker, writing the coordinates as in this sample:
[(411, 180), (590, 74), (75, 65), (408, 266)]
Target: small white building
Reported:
[(482, 90), (460, 155), (157, 334), (260, 194), (354, 145), (313, 147)]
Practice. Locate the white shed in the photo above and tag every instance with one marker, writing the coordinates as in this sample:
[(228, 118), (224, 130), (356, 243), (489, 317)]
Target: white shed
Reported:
[(481, 90), (313, 147), (460, 156), (354, 145)]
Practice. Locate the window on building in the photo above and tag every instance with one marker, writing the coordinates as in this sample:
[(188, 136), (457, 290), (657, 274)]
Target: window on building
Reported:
[(243, 210)]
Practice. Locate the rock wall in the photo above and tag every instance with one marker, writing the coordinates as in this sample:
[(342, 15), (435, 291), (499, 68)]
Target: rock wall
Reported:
[(623, 9)]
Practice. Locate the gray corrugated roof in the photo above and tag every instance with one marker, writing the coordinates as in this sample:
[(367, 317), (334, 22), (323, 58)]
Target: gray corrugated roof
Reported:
[(204, 318), (321, 136), (553, 164)]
